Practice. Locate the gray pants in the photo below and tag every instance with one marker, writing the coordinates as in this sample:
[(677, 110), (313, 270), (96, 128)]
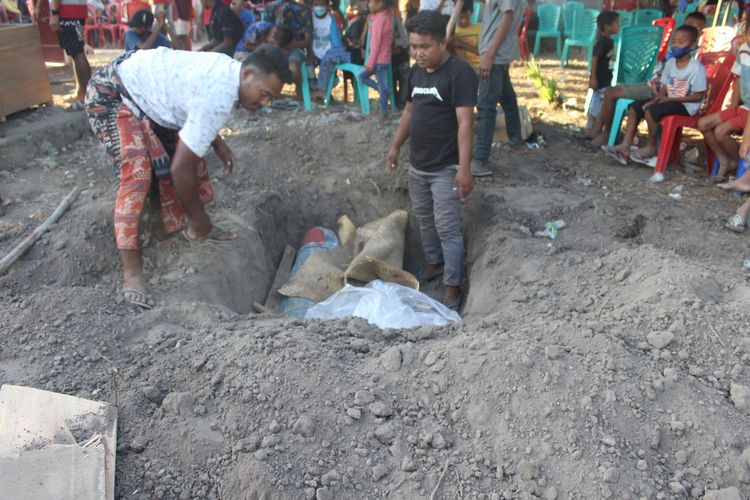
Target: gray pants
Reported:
[(438, 211)]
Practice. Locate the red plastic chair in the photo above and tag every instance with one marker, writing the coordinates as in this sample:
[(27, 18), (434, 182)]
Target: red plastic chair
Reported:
[(112, 26), (92, 25), (621, 4), (667, 23), (523, 35), (716, 39), (719, 75)]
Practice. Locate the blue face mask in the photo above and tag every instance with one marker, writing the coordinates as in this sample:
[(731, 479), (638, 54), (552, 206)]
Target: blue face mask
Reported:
[(679, 52), (319, 10)]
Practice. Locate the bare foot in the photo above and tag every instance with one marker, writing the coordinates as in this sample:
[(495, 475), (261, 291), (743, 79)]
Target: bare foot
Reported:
[(646, 152), (135, 291), (724, 168), (623, 149), (599, 140), (432, 271), (741, 185)]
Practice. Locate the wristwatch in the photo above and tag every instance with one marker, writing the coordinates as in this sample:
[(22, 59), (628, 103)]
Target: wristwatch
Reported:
[(54, 12)]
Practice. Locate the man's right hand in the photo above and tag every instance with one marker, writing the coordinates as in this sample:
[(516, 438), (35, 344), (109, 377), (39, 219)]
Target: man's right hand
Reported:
[(54, 22), (160, 17), (392, 164)]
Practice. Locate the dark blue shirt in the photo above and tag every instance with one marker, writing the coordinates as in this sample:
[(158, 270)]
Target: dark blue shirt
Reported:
[(132, 40)]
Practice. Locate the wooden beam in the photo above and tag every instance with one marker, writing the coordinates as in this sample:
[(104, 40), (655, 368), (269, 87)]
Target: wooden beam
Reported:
[(282, 276)]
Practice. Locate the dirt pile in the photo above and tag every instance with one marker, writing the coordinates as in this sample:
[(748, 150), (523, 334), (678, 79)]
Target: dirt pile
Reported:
[(610, 362)]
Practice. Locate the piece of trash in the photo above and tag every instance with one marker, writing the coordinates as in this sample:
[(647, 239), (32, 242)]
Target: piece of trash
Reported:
[(385, 305), (678, 189), (585, 182), (571, 102), (676, 193), (746, 264), (691, 156), (550, 229), (675, 196), (532, 145)]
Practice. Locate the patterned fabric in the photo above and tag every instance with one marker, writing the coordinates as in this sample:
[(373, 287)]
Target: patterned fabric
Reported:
[(139, 151), (294, 16)]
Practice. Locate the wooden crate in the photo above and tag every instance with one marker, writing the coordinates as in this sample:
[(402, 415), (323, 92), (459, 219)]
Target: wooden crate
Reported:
[(23, 79)]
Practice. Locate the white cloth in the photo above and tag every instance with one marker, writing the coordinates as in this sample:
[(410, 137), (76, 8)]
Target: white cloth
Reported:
[(193, 92), (743, 59), (432, 5), (321, 35)]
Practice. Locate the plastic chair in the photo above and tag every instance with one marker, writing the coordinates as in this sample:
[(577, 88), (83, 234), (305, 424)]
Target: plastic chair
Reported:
[(647, 16), (627, 18), (569, 11), (719, 75), (477, 12), (523, 35), (549, 21), (667, 23), (636, 60), (716, 39), (584, 35), (679, 18), (92, 25), (305, 87)]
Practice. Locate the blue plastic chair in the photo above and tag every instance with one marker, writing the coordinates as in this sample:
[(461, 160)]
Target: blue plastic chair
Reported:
[(569, 10), (645, 16), (627, 18), (741, 169), (584, 34), (636, 60), (305, 87), (549, 22)]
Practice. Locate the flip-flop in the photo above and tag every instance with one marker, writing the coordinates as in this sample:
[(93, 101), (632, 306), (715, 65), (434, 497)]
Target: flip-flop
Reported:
[(455, 306), (614, 154), (636, 157), (141, 301), (213, 235)]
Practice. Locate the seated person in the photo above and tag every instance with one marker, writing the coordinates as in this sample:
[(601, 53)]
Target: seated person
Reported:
[(247, 18), (295, 17), (681, 91), (718, 127), (599, 133), (144, 34), (225, 29), (258, 34), (327, 48), (283, 38), (738, 221)]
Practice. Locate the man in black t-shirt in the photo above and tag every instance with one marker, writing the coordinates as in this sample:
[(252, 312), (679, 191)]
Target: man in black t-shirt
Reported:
[(442, 93), (225, 29)]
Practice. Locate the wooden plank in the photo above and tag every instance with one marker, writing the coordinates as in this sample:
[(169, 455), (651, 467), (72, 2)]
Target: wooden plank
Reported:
[(23, 81), (36, 423), (282, 275)]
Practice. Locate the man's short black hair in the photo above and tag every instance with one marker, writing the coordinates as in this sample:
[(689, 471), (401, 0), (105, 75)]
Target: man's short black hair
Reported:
[(468, 6), (428, 22), (283, 36), (605, 18), (699, 16), (270, 60), (691, 31)]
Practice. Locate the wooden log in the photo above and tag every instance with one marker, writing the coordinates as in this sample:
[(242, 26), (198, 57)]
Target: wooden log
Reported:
[(282, 275), (29, 241)]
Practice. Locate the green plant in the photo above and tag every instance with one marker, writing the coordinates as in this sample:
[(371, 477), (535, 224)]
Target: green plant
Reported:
[(547, 87)]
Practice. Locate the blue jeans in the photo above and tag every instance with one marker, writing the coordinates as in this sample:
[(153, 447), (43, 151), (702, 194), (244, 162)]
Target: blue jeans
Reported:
[(381, 74), (331, 58), (437, 208), (498, 89)]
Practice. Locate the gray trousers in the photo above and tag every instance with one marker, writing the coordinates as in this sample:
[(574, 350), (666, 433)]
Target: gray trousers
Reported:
[(438, 210)]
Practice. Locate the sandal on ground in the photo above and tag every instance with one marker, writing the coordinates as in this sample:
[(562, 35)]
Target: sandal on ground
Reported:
[(213, 235), (75, 106), (611, 152), (480, 170), (635, 155), (141, 299), (454, 306), (736, 223)]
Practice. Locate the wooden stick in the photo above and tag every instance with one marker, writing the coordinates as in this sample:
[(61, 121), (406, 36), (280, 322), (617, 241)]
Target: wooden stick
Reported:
[(453, 19), (29, 241), (440, 480)]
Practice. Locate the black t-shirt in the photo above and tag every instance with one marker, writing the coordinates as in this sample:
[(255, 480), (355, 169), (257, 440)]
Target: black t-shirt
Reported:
[(604, 50), (224, 22), (434, 127)]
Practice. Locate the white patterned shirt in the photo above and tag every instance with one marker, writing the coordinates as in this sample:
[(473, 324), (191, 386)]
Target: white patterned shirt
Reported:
[(193, 92)]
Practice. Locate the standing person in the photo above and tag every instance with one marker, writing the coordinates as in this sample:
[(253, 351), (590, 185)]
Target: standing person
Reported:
[(135, 105), (600, 79), (439, 119), (466, 38), (143, 33), (184, 23), (66, 18), (381, 46), (225, 29), (498, 48)]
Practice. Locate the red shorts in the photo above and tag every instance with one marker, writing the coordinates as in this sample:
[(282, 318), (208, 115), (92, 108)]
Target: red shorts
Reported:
[(736, 117)]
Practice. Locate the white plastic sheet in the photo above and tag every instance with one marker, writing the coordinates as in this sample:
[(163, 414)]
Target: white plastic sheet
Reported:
[(386, 305)]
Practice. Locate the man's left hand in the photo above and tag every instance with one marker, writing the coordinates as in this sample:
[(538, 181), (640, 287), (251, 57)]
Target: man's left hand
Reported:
[(464, 183), (225, 154)]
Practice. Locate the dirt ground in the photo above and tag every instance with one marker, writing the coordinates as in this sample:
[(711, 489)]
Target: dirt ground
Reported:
[(611, 362)]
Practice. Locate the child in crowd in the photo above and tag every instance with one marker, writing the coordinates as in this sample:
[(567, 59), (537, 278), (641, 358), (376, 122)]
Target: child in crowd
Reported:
[(718, 127), (381, 47), (143, 33), (466, 37), (400, 59), (608, 23), (327, 47), (599, 134), (738, 222), (354, 34), (258, 34), (681, 92), (438, 119)]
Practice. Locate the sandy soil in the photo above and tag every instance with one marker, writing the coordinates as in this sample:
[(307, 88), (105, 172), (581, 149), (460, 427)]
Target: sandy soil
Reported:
[(608, 363)]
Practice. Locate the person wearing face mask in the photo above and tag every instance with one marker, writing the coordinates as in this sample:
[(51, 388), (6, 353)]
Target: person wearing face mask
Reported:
[(327, 45), (166, 125), (681, 90)]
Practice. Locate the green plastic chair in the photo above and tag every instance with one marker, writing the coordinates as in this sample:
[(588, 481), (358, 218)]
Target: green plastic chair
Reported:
[(549, 22), (476, 14), (645, 16), (679, 18), (584, 35), (626, 18), (569, 10), (305, 88), (635, 63)]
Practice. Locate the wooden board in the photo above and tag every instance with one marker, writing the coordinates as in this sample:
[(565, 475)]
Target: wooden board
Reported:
[(53, 443), (50, 42), (282, 276), (23, 79)]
